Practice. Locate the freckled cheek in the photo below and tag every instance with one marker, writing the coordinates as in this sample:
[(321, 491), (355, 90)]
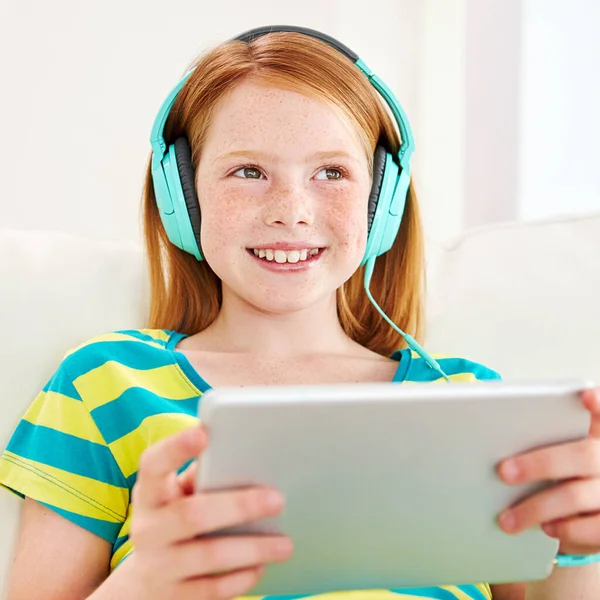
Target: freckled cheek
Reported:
[(219, 228), (348, 226)]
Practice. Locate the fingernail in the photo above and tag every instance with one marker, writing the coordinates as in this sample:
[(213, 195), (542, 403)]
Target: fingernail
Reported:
[(511, 471), (507, 521), (274, 500), (283, 547)]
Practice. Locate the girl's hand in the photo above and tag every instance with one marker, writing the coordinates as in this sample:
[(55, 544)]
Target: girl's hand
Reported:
[(569, 510), (169, 562)]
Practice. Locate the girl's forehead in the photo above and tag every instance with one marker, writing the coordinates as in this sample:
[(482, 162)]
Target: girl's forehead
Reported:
[(254, 111), (250, 99)]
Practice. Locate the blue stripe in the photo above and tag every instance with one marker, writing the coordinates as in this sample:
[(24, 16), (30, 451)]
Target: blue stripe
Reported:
[(462, 365), (131, 480), (125, 414), (104, 529), (132, 354), (285, 597), (404, 358), (61, 383), (427, 592), (144, 336), (420, 371), (119, 542), (473, 591), (67, 452)]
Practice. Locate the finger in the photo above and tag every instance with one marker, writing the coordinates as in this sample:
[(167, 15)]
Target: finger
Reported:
[(562, 461), (581, 535), (211, 556), (561, 501), (187, 479), (156, 479), (201, 514), (591, 400), (221, 587)]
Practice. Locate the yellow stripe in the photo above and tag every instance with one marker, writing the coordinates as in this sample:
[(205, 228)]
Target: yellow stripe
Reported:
[(157, 334), (126, 529), (464, 377), (460, 377), (63, 489), (460, 595), (387, 594), (361, 595), (128, 449), (120, 554), (112, 337), (64, 414), (382, 595), (107, 382)]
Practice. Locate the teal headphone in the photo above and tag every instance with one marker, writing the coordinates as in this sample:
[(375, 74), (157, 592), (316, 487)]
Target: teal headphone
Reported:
[(175, 190), (174, 180)]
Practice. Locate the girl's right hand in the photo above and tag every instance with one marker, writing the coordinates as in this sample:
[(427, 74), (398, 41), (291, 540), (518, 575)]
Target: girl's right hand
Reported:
[(168, 561)]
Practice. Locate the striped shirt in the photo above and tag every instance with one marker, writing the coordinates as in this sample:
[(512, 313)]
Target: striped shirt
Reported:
[(78, 446)]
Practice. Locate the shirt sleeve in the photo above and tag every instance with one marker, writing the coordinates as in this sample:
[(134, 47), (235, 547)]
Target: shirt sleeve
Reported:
[(58, 457)]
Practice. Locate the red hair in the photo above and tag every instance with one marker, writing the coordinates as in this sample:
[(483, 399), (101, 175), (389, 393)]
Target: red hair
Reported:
[(186, 293)]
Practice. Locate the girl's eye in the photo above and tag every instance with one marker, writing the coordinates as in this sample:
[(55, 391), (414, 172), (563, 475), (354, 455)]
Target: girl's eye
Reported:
[(332, 173), (249, 173)]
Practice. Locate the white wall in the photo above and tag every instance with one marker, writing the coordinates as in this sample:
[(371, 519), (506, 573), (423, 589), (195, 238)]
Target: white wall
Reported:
[(84, 82), (491, 124), (560, 108), (532, 121), (494, 91)]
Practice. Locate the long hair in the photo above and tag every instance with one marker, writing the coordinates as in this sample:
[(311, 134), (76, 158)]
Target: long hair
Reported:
[(185, 294)]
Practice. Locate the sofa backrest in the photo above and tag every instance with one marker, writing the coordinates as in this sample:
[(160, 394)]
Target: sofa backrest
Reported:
[(522, 298)]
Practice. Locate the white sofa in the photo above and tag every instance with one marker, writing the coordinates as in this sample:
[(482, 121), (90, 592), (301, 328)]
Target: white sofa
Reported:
[(521, 298)]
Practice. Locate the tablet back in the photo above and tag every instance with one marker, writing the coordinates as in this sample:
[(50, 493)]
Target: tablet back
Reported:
[(387, 485)]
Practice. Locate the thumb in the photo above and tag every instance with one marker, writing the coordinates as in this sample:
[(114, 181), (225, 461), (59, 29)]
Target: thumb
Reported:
[(591, 400)]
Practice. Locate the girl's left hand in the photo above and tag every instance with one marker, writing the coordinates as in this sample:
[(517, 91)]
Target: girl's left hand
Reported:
[(569, 510)]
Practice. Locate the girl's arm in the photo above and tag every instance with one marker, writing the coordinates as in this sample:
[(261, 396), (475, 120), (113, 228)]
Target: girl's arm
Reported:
[(508, 591), (582, 583), (56, 559)]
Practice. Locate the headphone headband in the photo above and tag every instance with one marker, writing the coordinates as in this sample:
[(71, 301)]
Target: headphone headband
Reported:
[(252, 34), (174, 177), (407, 146)]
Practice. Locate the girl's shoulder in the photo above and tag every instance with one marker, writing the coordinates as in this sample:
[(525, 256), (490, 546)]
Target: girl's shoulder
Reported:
[(106, 366), (136, 348)]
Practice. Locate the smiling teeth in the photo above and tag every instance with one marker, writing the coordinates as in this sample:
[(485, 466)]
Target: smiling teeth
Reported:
[(281, 256)]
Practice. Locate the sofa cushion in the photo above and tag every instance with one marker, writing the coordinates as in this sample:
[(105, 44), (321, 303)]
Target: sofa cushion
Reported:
[(523, 298)]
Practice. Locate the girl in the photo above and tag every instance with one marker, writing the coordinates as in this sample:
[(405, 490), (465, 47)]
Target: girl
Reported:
[(276, 174)]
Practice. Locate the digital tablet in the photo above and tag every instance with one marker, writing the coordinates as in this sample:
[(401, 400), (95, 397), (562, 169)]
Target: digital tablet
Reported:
[(387, 485)]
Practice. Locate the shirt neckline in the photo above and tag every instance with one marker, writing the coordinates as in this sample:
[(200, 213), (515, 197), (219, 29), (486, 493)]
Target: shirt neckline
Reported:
[(403, 357)]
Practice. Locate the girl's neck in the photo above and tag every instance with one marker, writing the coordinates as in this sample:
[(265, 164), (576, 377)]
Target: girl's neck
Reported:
[(242, 328)]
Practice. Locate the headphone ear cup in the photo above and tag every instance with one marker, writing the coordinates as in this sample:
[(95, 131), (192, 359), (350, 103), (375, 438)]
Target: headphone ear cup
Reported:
[(187, 176), (384, 218), (378, 170)]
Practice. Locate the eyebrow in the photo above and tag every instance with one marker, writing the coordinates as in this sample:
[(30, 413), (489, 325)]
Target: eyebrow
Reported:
[(268, 156)]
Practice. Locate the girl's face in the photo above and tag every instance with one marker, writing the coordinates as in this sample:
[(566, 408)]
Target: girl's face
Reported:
[(283, 184)]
